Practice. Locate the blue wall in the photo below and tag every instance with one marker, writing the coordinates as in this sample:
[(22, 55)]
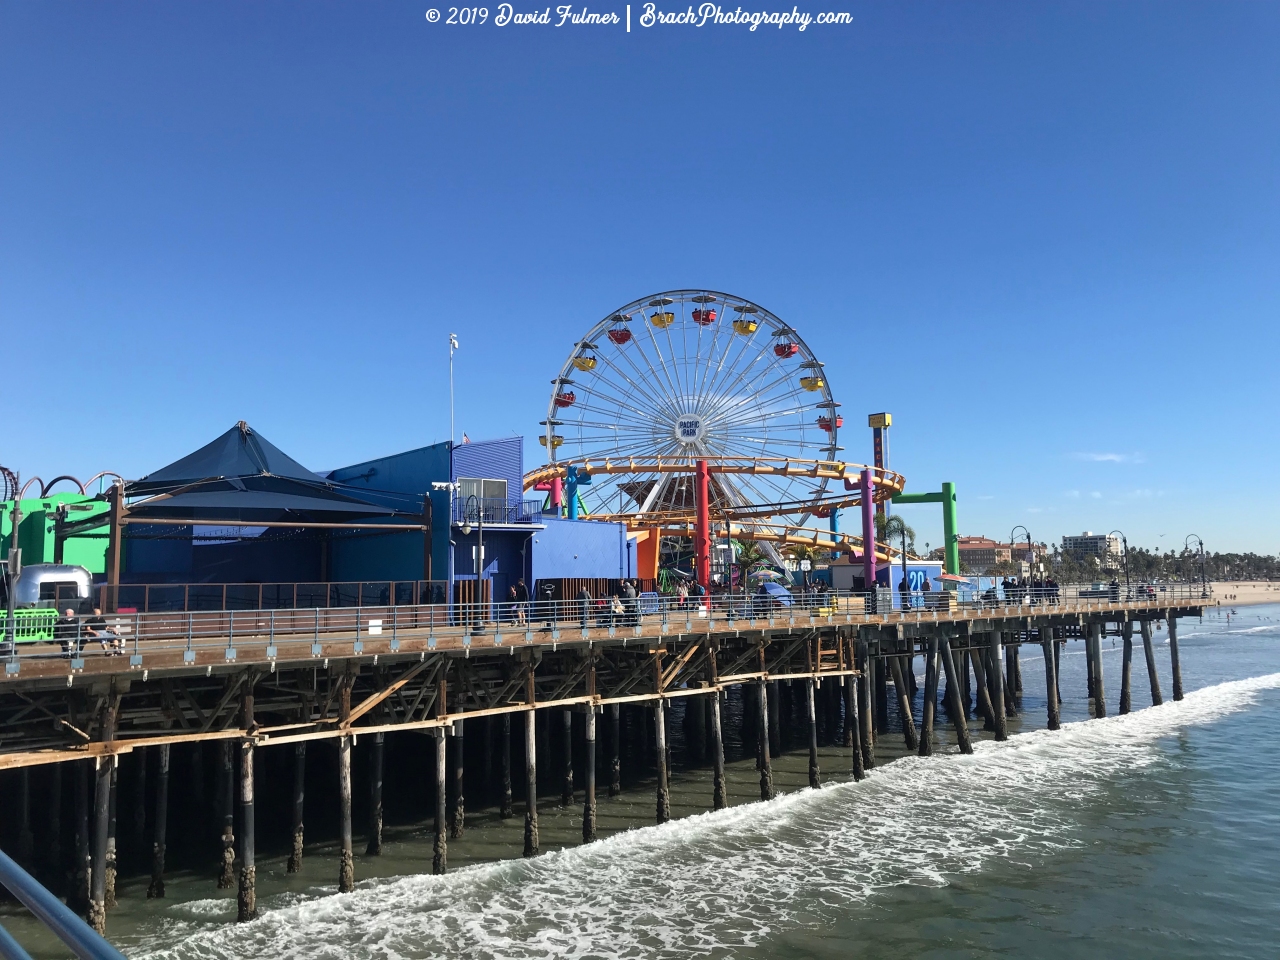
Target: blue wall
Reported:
[(397, 481), (580, 548)]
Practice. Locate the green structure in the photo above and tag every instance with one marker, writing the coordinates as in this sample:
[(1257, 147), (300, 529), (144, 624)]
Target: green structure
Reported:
[(950, 539), (40, 535)]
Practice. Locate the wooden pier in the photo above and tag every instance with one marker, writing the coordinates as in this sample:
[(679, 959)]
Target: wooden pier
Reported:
[(250, 681)]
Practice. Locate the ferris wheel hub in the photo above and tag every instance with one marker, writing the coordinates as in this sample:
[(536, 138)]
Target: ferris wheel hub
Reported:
[(690, 428)]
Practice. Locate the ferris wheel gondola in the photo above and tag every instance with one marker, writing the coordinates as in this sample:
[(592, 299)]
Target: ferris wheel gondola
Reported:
[(688, 375)]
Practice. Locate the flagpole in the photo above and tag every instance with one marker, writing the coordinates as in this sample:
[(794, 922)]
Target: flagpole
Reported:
[(453, 345)]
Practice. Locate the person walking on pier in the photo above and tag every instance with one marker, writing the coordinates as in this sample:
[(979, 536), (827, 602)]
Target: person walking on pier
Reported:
[(584, 597), (631, 604), (522, 601)]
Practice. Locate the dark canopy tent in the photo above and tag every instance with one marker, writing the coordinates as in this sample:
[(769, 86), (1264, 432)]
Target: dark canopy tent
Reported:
[(241, 477)]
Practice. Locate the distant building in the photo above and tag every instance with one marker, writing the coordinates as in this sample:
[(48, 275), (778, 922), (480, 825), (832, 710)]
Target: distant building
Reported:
[(1090, 544), (982, 553)]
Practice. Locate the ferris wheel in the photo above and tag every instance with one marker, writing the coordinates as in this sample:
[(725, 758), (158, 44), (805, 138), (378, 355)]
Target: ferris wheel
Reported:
[(688, 375)]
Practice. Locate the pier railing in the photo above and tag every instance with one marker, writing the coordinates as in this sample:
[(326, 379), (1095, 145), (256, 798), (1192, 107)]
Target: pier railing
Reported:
[(228, 635)]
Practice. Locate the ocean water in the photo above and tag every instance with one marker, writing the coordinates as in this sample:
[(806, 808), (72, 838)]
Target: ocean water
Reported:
[(1156, 834)]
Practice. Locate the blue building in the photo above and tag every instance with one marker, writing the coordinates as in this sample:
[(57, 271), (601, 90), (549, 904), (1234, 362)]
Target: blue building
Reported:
[(316, 540)]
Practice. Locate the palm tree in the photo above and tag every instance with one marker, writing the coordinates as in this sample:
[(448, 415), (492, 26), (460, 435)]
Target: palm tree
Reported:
[(894, 527)]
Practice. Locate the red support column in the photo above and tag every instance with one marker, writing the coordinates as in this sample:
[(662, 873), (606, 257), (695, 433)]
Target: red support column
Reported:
[(702, 525)]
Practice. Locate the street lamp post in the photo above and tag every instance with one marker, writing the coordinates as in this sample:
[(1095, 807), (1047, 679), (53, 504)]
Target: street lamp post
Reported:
[(1128, 594), (453, 345), (1030, 551), (1204, 586)]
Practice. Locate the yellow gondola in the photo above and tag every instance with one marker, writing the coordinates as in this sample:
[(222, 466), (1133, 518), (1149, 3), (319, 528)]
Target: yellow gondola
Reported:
[(585, 362), (662, 320), (745, 326), (812, 384), (555, 441)]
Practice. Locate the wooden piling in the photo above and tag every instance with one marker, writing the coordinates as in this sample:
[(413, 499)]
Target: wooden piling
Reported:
[(775, 718), (26, 839), (1148, 648), (459, 823), (904, 703), (981, 691), (346, 863), (815, 779), (1099, 687), (299, 796), (103, 767), (1126, 668), (615, 749), (247, 894), (953, 694), (566, 788), (374, 847), (866, 732), (160, 826), (82, 872), (101, 819), (440, 859), (766, 767), (589, 800), (996, 680), (660, 752), (531, 782), (506, 805), (966, 688), (1089, 672), (226, 799), (881, 696), (53, 848), (1011, 678), (849, 689), (140, 793), (1058, 644), (719, 792), (1174, 662), (930, 696), (1049, 647), (112, 856)]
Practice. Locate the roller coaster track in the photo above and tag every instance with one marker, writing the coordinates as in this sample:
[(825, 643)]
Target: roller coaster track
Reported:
[(680, 523)]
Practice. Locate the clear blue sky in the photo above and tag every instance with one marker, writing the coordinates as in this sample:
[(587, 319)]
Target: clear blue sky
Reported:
[(1045, 236)]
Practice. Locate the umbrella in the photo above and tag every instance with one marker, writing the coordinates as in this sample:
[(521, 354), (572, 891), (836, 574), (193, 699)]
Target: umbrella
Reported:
[(952, 578), (777, 592), (765, 573)]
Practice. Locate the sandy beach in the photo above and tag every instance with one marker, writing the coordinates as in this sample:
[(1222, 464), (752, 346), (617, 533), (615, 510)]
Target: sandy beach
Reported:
[(1243, 592)]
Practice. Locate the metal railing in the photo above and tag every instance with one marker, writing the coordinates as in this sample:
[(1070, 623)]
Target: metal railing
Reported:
[(154, 639), (184, 597), (79, 937), (495, 511)]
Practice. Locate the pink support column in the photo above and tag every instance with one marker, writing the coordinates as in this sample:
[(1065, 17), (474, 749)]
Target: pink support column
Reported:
[(702, 525), (867, 487), (557, 495)]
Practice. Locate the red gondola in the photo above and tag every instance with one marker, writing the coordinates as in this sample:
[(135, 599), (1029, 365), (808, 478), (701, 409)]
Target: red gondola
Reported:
[(565, 399), (620, 335), (704, 317), (823, 512), (785, 349), (825, 422)]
